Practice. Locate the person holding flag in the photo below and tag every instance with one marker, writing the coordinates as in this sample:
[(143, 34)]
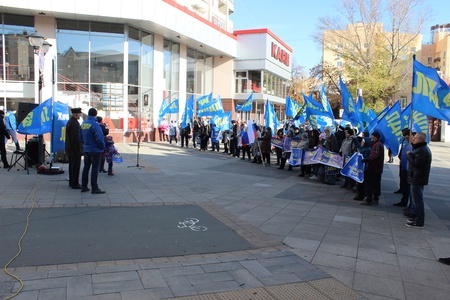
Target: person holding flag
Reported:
[(266, 145), (374, 170)]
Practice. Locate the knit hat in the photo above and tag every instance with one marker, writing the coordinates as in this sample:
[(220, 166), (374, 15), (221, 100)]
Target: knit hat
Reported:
[(376, 134)]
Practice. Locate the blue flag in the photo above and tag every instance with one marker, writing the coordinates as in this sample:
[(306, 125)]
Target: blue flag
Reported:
[(60, 118), (350, 114), (390, 128), (172, 108), (374, 122), (270, 117), (247, 106), (314, 111), (419, 123), (212, 108), (430, 94), (292, 107), (204, 101), (366, 115), (354, 168), (39, 120), (326, 104), (188, 112), (161, 111), (222, 120)]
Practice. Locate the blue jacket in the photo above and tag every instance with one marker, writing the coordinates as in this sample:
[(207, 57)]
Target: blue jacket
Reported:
[(10, 121), (92, 135)]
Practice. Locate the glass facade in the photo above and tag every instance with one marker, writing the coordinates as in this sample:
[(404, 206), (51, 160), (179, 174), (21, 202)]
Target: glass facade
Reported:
[(17, 56), (94, 70), (199, 77), (171, 72), (274, 85)]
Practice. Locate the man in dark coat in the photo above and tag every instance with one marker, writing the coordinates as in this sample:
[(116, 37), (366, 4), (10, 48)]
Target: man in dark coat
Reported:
[(3, 134), (419, 165), (374, 170), (74, 147)]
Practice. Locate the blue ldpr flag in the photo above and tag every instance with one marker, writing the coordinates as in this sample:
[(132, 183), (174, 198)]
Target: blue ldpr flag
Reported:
[(366, 115), (292, 107), (419, 123), (247, 106), (39, 120), (270, 117), (350, 114), (212, 108), (314, 111), (188, 112), (354, 168), (430, 94), (161, 111), (326, 104), (172, 108), (60, 118), (222, 120), (374, 122), (204, 101), (390, 128)]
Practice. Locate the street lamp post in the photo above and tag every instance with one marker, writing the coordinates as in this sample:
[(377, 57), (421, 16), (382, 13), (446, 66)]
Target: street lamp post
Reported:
[(41, 47)]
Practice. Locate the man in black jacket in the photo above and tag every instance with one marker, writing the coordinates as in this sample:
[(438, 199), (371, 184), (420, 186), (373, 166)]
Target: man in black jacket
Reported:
[(3, 134), (419, 165), (74, 148)]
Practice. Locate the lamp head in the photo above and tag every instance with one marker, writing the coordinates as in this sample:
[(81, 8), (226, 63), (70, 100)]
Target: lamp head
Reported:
[(36, 40)]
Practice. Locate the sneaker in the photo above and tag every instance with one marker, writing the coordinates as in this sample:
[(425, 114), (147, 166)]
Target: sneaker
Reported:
[(410, 222), (313, 177), (414, 225)]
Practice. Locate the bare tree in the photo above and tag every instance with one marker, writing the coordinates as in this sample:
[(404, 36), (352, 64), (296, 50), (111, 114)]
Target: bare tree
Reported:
[(375, 40)]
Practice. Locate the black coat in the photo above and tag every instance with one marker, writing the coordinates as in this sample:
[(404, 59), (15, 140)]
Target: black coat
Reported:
[(73, 141), (419, 164), (3, 132)]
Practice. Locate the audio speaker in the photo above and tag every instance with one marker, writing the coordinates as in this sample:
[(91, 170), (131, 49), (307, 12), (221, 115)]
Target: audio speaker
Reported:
[(23, 110)]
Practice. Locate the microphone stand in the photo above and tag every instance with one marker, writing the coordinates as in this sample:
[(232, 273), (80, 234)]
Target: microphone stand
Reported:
[(139, 136)]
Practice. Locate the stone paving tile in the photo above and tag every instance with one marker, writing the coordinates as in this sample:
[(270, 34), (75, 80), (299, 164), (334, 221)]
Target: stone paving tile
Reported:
[(245, 279), (79, 286), (227, 266), (115, 277), (147, 294), (152, 279), (385, 287), (180, 286), (58, 293), (255, 268), (216, 287), (116, 286), (42, 284), (189, 270)]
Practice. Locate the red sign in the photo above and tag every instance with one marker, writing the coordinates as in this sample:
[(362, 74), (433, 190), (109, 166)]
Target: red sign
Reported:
[(280, 54)]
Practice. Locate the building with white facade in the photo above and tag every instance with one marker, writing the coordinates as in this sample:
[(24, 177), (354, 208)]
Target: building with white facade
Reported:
[(126, 57)]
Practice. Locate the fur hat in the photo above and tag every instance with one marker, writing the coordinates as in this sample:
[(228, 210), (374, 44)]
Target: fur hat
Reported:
[(76, 110)]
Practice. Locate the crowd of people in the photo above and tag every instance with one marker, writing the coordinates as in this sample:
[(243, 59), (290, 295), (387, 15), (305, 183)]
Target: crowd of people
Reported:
[(414, 163)]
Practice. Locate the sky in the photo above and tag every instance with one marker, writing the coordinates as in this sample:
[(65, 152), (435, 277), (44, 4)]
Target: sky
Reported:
[(295, 21)]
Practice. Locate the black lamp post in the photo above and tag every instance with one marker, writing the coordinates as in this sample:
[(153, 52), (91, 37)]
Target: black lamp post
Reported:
[(41, 47)]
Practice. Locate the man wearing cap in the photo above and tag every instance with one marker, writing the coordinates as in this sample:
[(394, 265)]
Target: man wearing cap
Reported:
[(94, 146), (374, 170), (74, 148)]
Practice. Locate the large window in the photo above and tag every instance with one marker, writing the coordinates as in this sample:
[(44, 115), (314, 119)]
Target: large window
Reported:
[(91, 67), (241, 82), (171, 71), (274, 85), (199, 77), (17, 57)]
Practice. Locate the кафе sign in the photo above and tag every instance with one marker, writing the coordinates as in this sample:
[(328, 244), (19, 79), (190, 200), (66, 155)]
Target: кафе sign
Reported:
[(280, 54)]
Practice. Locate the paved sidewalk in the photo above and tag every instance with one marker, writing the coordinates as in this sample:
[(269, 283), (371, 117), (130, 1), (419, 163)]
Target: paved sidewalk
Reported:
[(312, 240)]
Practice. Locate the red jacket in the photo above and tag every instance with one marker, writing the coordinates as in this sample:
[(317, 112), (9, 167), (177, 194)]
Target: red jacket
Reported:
[(375, 160)]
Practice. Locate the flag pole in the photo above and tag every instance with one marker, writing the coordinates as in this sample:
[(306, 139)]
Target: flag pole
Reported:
[(412, 105)]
